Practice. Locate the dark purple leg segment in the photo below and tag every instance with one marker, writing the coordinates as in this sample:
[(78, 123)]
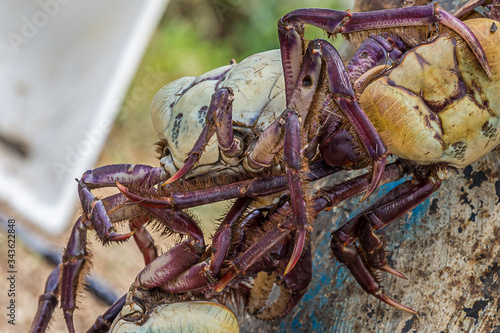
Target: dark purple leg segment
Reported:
[(292, 160), (47, 302), (103, 322), (254, 253), (341, 88), (290, 33), (143, 239), (300, 92), (223, 237), (252, 188), (74, 259), (329, 197), (362, 265)]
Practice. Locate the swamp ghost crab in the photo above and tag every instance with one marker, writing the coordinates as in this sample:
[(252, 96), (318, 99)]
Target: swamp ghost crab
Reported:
[(260, 131)]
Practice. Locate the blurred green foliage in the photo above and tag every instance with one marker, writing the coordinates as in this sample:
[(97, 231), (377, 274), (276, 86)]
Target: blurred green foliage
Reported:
[(193, 37)]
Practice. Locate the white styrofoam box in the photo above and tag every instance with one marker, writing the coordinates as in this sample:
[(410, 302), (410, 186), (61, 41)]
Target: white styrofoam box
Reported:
[(65, 66)]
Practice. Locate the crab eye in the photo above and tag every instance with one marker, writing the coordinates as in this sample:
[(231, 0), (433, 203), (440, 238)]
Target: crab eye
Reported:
[(307, 82), (390, 41), (165, 151), (364, 55)]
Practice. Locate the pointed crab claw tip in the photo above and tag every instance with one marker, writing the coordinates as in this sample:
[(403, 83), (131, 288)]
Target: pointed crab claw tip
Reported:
[(297, 250), (386, 299), (488, 71), (378, 173), (392, 271), (126, 192), (182, 171), (171, 179), (121, 188), (114, 237)]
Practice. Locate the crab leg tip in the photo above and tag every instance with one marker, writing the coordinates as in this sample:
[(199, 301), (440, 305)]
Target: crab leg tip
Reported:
[(378, 172), (386, 299), (121, 188), (392, 271), (297, 250), (68, 318), (182, 171), (114, 237)]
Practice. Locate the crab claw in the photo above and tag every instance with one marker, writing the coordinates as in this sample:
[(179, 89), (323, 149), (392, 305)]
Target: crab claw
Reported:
[(378, 172), (297, 250)]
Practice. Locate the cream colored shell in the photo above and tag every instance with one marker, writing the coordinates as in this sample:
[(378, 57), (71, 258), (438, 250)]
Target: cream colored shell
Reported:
[(178, 110), (438, 105), (183, 317)]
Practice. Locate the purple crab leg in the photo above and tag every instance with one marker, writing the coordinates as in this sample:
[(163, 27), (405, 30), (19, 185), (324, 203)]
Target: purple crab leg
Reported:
[(201, 274), (222, 238), (254, 188), (334, 21), (104, 321), (290, 36), (143, 239), (344, 97), (218, 120), (292, 160), (393, 205), (324, 199), (254, 253), (251, 222), (74, 262), (178, 222), (47, 302), (329, 197)]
